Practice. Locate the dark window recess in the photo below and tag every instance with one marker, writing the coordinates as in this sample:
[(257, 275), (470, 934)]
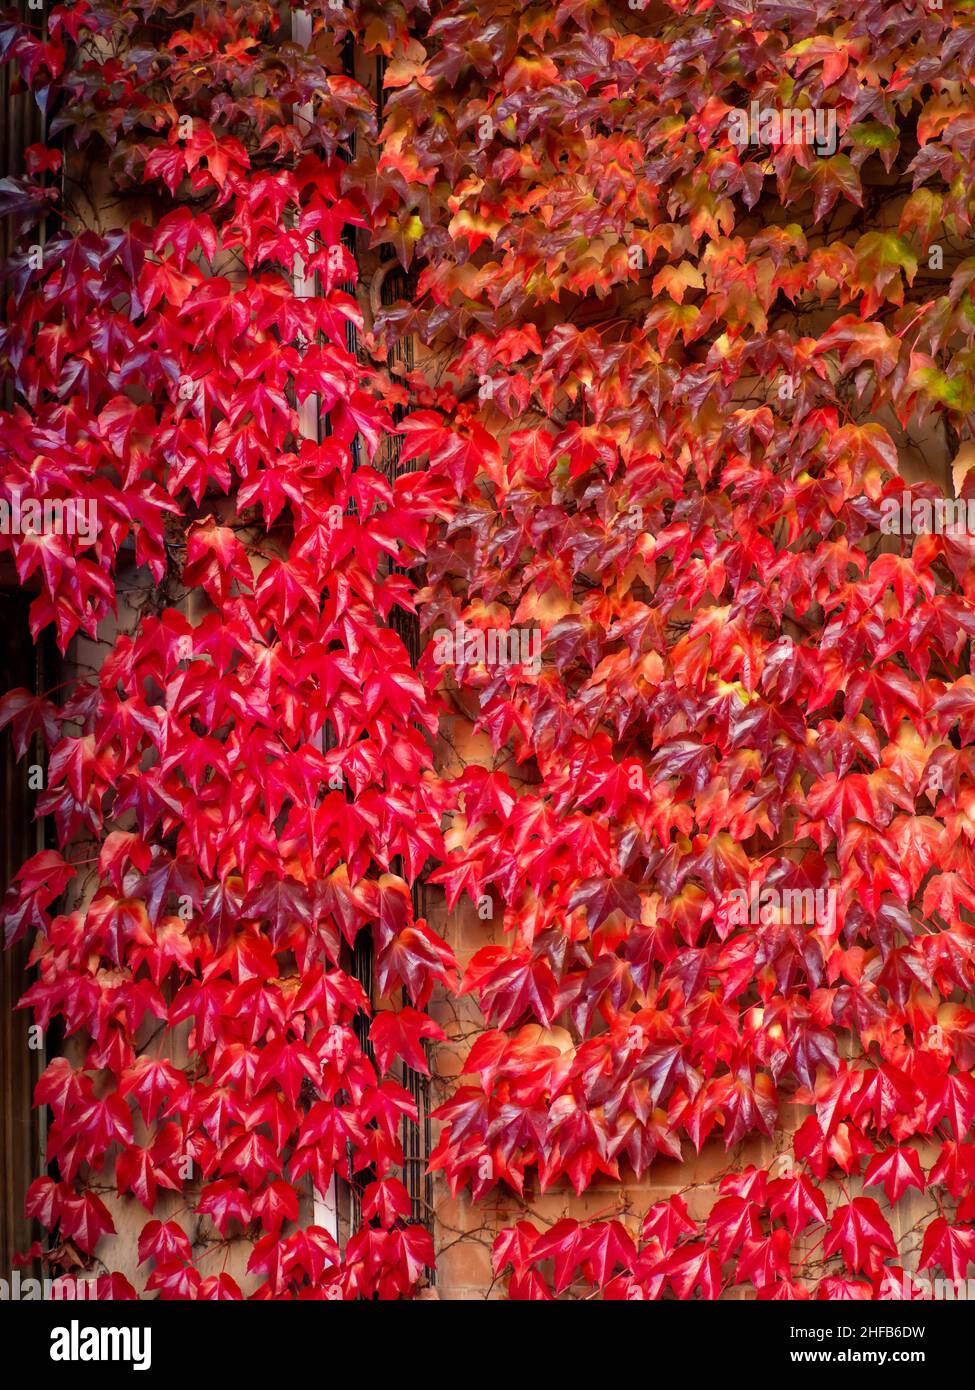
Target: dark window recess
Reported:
[(21, 1128), (397, 285), (360, 961), (21, 664), (416, 1138), (361, 969)]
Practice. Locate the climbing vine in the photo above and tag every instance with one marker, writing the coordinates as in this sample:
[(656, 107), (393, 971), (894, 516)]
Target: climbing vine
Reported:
[(677, 482)]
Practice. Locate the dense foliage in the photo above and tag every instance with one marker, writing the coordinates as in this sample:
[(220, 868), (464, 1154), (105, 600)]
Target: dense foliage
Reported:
[(662, 410)]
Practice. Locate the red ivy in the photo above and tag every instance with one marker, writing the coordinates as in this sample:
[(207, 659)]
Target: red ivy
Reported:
[(654, 445)]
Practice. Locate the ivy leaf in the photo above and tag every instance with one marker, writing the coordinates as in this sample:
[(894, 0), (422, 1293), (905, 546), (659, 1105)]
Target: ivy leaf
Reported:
[(400, 1033)]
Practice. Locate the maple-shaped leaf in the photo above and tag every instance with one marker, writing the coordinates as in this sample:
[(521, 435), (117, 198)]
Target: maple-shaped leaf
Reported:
[(513, 1246), (287, 1064), (215, 559), (85, 1219), (509, 983), (764, 1260), (530, 1287), (692, 1267), (114, 1287), (36, 884), (731, 1222), (859, 1232), (400, 1033), (951, 1247), (666, 1222), (162, 1241), (174, 1279), (561, 1245), (386, 1202), (136, 1172), (220, 1287), (225, 1201), (896, 1169), (418, 958), (152, 1081), (604, 1247), (797, 1200), (601, 896), (275, 1204), (28, 714), (44, 1201)]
